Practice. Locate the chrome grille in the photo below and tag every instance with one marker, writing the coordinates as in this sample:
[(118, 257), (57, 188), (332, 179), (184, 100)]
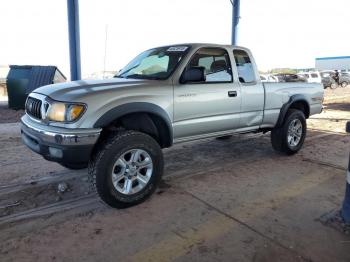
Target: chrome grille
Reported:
[(33, 107)]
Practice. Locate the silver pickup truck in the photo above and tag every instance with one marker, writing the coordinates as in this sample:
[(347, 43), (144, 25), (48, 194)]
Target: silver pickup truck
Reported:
[(166, 95)]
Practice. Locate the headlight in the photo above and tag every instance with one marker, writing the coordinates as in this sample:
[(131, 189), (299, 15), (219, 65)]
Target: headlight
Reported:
[(64, 112)]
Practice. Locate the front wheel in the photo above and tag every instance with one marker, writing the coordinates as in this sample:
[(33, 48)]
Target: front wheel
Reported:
[(344, 84), (126, 169), (289, 138)]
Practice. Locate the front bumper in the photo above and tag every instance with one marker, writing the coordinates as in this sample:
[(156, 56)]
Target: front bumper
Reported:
[(62, 145)]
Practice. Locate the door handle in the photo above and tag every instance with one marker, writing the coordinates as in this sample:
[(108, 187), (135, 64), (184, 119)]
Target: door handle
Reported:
[(232, 93)]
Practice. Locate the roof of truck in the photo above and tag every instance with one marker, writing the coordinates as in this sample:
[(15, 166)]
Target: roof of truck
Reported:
[(206, 45)]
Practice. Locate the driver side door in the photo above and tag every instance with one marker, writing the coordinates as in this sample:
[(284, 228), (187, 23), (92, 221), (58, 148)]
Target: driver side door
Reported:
[(206, 108)]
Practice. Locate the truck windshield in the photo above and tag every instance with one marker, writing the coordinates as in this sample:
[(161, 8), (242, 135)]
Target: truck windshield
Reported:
[(158, 63)]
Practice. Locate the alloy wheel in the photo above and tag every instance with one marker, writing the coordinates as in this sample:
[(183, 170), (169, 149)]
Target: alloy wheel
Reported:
[(132, 171), (295, 131)]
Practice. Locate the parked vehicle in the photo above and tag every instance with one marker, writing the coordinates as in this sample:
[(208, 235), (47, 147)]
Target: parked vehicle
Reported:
[(290, 78), (167, 95), (268, 78), (329, 81), (311, 77), (344, 79)]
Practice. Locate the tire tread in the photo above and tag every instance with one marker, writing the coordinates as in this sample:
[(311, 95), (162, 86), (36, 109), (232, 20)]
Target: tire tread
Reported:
[(278, 140), (113, 138)]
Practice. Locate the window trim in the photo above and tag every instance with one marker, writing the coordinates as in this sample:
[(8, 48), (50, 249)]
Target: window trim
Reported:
[(212, 82), (255, 82)]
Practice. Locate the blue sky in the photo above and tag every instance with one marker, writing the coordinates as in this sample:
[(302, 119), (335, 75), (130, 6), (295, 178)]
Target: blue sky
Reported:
[(281, 33)]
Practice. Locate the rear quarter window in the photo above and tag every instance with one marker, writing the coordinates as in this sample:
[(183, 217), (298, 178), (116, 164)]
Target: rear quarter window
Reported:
[(245, 69)]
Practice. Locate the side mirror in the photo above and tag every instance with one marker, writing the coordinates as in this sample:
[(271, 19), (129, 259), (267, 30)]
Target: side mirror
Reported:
[(193, 75), (348, 127)]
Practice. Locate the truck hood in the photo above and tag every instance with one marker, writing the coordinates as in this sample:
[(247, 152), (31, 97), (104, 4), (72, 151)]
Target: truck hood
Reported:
[(78, 90)]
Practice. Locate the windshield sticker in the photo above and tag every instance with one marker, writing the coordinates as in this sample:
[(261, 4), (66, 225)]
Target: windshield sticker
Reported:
[(177, 48)]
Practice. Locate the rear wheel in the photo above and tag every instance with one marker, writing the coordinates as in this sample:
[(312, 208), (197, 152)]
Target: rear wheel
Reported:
[(127, 168), (290, 137), (334, 85)]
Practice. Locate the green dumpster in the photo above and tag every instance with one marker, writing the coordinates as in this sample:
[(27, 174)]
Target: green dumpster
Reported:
[(22, 80)]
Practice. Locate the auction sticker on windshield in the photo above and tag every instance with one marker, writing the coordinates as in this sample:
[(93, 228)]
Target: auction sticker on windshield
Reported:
[(177, 48)]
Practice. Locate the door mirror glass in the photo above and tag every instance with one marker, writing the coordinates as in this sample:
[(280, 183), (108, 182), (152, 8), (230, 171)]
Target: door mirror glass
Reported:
[(193, 75)]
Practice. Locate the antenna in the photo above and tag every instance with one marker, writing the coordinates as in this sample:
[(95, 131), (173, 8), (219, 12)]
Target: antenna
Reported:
[(105, 56)]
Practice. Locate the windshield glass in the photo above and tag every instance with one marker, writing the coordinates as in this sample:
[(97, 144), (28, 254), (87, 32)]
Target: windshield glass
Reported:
[(158, 63)]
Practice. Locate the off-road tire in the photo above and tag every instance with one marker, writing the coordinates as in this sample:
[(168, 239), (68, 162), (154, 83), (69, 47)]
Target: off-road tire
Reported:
[(279, 136), (104, 157)]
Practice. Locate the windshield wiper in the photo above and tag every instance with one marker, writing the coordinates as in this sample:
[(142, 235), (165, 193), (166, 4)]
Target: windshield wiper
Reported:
[(138, 76)]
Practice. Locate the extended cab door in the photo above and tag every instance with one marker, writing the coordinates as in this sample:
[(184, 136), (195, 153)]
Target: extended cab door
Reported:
[(210, 106), (252, 91)]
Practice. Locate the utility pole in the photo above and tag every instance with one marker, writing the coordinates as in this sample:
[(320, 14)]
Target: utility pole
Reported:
[(235, 20), (74, 39)]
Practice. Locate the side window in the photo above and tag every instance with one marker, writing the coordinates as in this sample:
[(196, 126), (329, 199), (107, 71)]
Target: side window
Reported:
[(216, 64), (245, 69)]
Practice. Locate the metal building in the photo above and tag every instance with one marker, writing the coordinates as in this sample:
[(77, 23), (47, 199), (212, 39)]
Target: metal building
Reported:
[(333, 63)]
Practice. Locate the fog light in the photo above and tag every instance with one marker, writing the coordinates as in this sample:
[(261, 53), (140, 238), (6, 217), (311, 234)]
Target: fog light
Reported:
[(55, 152)]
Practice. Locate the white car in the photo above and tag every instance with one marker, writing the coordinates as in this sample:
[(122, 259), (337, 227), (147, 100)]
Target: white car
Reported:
[(268, 78), (311, 77)]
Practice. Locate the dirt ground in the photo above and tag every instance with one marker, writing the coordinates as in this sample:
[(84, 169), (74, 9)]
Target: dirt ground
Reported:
[(220, 200), (9, 115)]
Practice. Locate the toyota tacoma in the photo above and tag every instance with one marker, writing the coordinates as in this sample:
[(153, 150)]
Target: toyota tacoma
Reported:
[(118, 127)]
